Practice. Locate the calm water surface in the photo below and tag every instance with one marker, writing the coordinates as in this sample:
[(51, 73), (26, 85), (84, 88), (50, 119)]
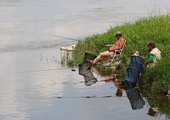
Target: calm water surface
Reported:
[(34, 86)]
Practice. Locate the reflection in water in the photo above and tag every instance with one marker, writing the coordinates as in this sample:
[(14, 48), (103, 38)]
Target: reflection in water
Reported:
[(116, 82), (128, 85), (133, 95), (135, 98), (65, 57), (85, 70), (132, 92), (159, 105), (134, 70), (152, 112)]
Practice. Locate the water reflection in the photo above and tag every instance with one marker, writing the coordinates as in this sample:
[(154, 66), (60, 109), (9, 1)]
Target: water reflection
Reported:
[(85, 71), (129, 84), (119, 91), (135, 98), (132, 92), (134, 70), (158, 105)]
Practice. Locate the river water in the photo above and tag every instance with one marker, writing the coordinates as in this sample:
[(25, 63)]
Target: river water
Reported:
[(34, 86)]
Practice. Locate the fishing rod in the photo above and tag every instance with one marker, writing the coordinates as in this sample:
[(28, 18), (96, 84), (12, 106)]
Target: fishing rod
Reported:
[(87, 97), (73, 39), (66, 38)]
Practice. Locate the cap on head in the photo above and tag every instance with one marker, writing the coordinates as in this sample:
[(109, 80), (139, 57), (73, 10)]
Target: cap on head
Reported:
[(118, 34)]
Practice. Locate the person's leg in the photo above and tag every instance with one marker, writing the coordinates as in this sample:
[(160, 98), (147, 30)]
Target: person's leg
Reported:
[(101, 55)]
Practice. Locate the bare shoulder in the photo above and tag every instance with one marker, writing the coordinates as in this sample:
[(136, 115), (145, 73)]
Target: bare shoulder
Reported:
[(122, 40)]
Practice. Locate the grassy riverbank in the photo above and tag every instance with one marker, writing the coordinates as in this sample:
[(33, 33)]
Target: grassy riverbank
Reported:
[(137, 35)]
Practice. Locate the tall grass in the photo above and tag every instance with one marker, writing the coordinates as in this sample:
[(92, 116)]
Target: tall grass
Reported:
[(158, 78), (137, 35)]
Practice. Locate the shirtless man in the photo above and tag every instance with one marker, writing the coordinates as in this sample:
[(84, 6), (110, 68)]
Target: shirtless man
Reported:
[(112, 48)]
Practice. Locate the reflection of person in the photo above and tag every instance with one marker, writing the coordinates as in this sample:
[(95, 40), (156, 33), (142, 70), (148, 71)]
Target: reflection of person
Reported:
[(112, 48), (152, 112), (119, 91), (154, 56)]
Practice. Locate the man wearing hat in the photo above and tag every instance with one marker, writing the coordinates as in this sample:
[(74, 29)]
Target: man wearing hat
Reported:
[(154, 56), (112, 48)]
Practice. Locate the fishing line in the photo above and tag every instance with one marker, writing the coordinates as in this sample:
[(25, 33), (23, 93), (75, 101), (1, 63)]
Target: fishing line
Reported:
[(90, 97), (39, 70), (85, 97), (66, 38), (80, 82)]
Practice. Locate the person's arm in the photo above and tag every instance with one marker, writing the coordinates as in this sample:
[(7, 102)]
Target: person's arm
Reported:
[(108, 45), (150, 59)]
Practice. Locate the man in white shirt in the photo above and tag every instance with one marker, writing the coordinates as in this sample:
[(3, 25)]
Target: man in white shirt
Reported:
[(154, 56)]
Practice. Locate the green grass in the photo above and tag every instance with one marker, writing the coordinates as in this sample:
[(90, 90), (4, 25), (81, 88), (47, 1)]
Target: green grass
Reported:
[(158, 78), (137, 35), (162, 103)]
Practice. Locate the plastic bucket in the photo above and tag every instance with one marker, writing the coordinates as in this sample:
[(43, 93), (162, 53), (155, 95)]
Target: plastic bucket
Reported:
[(134, 69)]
